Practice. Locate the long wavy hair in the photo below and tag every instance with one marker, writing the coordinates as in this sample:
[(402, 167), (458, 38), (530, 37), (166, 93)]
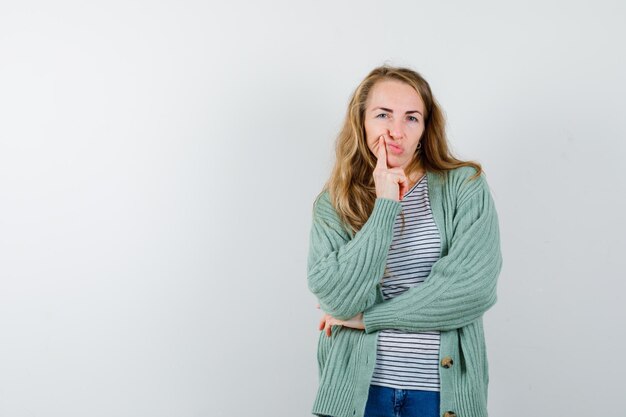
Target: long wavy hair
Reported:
[(351, 184)]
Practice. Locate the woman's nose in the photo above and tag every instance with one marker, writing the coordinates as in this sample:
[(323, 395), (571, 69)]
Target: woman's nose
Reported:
[(395, 129)]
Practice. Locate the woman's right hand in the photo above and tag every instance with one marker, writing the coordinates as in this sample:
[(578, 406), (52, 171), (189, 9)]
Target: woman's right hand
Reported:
[(328, 321), (390, 183)]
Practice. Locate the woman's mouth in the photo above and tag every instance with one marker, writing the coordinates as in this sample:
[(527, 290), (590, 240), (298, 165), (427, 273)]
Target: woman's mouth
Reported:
[(394, 148)]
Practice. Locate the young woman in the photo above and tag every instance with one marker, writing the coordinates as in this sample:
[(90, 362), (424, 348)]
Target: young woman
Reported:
[(404, 257)]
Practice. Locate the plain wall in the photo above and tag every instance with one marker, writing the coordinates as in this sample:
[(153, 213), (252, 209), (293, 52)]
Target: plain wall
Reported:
[(159, 161)]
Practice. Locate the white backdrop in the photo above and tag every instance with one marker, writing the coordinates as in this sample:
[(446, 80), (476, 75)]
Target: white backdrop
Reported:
[(158, 164)]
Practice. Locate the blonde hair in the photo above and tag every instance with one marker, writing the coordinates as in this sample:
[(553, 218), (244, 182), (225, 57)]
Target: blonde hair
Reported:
[(351, 185)]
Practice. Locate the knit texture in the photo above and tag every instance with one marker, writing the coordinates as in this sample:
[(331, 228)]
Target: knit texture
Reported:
[(344, 272)]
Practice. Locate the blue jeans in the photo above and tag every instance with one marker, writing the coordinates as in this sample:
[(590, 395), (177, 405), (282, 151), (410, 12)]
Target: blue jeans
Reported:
[(391, 402)]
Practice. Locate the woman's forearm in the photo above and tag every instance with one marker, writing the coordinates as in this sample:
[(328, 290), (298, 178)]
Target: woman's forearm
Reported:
[(343, 272)]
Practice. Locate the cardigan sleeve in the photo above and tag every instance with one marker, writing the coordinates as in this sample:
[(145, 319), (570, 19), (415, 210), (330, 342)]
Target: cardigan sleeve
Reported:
[(343, 271), (461, 285)]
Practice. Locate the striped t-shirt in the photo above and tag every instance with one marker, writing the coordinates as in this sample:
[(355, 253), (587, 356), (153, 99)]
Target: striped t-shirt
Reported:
[(410, 360)]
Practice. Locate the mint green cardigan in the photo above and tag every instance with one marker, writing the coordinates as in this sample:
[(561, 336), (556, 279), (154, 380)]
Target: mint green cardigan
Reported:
[(344, 271)]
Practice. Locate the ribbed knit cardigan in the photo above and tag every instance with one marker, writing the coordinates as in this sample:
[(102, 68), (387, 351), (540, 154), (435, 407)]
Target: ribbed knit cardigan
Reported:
[(345, 270)]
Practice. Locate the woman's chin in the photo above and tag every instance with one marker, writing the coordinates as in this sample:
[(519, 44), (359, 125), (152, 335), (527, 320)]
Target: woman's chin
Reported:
[(394, 162)]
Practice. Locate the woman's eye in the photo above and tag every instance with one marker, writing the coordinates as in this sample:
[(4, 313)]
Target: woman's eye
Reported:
[(411, 118)]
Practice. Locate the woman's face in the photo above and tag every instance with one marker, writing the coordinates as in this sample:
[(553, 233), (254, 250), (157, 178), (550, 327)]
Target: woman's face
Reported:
[(396, 110)]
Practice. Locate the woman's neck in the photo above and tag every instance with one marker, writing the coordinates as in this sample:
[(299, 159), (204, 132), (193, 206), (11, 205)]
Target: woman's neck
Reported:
[(415, 177)]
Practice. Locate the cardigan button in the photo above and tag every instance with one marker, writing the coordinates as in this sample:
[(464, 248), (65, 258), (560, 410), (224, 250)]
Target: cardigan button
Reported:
[(449, 414), (446, 363)]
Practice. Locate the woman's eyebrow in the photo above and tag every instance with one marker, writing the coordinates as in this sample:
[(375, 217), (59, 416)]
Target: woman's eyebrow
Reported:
[(391, 111)]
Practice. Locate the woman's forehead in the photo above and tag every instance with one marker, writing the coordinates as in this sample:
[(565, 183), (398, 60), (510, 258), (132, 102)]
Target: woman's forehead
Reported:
[(395, 95)]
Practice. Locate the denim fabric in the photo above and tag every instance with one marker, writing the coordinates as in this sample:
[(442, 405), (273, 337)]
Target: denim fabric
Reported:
[(392, 402)]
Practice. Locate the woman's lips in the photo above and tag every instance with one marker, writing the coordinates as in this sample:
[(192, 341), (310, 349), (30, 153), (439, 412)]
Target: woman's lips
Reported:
[(394, 148)]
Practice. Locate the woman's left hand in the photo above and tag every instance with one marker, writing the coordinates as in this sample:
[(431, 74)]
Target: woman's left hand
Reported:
[(327, 321)]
